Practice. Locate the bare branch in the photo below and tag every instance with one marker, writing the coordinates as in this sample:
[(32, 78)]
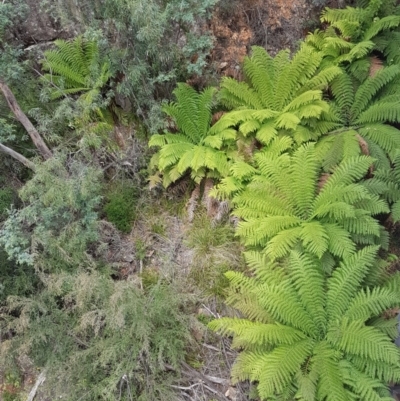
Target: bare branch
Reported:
[(39, 381), (17, 156), (24, 120)]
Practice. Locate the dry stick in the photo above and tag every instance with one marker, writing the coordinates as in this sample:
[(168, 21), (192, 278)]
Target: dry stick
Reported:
[(24, 120), (17, 156), (39, 381)]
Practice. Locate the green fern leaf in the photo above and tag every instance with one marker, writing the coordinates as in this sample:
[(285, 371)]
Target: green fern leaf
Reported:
[(346, 280), (369, 303), (273, 374), (367, 342), (382, 24), (380, 112)]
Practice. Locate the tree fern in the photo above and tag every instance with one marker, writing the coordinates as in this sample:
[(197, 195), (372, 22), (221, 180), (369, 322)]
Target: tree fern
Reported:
[(75, 67), (281, 94), (354, 32), (363, 111), (286, 204), (320, 342), (386, 184), (190, 149)]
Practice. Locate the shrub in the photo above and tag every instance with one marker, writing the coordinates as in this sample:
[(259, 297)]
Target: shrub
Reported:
[(104, 339), (7, 196), (58, 222)]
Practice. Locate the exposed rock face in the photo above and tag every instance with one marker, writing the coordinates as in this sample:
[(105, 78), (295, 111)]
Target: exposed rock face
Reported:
[(41, 25), (272, 24)]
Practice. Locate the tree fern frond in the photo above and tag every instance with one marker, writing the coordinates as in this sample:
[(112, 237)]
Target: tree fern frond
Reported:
[(217, 141), (374, 205), (330, 385), (302, 67), (371, 86), (380, 370), (282, 243), (364, 341), (249, 127), (283, 303), (306, 98), (322, 79), (346, 281), (371, 302), (357, 51), (243, 367), (360, 69), (337, 46), (161, 140), (364, 386), (192, 111), (390, 48), (267, 132), (309, 281), (340, 243), (382, 24), (171, 153), (304, 171), (347, 28), (260, 70), (204, 106), (260, 205), (348, 171), (332, 15), (75, 66), (386, 136), (387, 326), (315, 238), (312, 111), (274, 371), (234, 94), (380, 112), (287, 121), (363, 224), (342, 89), (267, 227), (247, 334)]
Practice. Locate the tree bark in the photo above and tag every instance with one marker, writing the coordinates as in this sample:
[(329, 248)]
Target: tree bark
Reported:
[(17, 156), (24, 120)]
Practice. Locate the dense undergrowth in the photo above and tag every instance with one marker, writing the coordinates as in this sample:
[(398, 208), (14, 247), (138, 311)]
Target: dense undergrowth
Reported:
[(283, 199)]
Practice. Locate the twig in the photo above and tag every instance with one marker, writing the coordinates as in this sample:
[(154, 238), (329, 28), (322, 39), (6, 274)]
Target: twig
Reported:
[(211, 347), (215, 316), (39, 381), (186, 388), (141, 273)]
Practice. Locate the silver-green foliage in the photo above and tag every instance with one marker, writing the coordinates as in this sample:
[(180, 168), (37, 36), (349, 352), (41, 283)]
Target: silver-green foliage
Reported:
[(313, 337), (155, 45), (58, 221)]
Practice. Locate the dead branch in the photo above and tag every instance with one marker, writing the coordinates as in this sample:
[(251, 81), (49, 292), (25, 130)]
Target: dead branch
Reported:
[(17, 156), (24, 120), (39, 381)]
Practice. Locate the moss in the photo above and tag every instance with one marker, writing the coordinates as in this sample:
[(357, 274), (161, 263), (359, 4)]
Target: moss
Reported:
[(120, 207)]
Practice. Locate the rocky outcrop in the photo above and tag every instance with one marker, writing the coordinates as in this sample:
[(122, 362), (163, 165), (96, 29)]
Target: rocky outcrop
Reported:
[(42, 24)]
